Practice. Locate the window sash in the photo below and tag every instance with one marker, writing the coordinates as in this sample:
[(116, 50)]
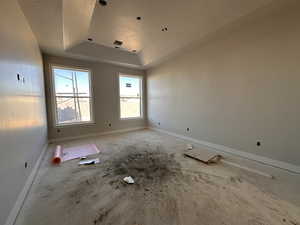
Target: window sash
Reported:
[(75, 90), (76, 96), (78, 112), (140, 97)]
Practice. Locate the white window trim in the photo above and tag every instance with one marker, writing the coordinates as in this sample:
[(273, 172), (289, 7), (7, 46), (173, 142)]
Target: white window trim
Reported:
[(53, 97), (141, 92)]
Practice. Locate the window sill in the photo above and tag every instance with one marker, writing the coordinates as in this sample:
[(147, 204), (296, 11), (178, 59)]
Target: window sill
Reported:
[(132, 118), (75, 124)]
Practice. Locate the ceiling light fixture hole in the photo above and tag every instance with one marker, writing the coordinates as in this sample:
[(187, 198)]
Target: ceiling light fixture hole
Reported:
[(103, 2), (117, 42)]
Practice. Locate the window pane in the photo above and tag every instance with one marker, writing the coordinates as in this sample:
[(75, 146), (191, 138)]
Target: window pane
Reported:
[(63, 82), (71, 82), (83, 83), (130, 107), (84, 113), (129, 86), (66, 112)]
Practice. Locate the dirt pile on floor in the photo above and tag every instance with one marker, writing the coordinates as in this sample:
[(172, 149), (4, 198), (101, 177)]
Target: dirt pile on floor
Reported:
[(144, 166), (153, 170)]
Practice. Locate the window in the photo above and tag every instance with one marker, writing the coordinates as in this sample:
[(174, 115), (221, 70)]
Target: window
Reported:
[(130, 96), (72, 96)]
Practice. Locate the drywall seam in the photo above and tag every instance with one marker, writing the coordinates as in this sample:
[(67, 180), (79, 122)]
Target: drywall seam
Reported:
[(23, 194), (55, 140), (261, 159)]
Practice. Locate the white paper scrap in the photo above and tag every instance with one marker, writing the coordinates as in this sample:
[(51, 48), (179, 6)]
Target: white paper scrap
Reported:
[(89, 161), (129, 180)]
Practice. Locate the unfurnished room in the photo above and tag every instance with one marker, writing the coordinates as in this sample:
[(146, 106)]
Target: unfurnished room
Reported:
[(147, 112)]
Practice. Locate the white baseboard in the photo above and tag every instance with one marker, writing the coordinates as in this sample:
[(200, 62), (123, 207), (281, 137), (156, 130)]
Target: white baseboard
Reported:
[(22, 196), (261, 159), (55, 140)]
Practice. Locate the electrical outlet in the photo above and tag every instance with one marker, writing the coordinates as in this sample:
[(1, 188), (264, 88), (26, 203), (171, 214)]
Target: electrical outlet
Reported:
[(188, 129)]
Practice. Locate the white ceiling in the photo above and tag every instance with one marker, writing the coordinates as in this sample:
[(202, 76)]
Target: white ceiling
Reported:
[(63, 26)]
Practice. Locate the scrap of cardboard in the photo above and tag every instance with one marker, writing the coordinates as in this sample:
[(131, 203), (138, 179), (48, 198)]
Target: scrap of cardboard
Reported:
[(203, 155)]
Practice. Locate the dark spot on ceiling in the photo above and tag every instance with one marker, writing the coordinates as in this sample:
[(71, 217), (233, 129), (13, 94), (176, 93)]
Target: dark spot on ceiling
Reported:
[(103, 2), (117, 42)]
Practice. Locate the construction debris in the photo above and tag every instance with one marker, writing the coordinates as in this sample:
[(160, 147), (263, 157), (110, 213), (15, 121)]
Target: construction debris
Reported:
[(129, 180), (208, 157), (203, 155), (64, 154), (189, 147), (89, 161)]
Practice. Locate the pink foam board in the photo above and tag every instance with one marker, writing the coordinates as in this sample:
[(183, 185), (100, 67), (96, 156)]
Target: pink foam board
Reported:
[(79, 151)]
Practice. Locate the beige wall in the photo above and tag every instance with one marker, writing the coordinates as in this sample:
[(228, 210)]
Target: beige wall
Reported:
[(23, 128), (106, 99), (240, 87)]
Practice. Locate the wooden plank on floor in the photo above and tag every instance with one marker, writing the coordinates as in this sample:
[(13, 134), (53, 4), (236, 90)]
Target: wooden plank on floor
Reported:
[(203, 155)]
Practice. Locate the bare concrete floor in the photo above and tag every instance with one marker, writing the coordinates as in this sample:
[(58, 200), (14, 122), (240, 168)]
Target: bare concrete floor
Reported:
[(170, 189)]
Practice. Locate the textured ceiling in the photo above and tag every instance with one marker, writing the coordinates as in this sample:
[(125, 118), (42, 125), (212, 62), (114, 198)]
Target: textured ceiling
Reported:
[(63, 26)]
